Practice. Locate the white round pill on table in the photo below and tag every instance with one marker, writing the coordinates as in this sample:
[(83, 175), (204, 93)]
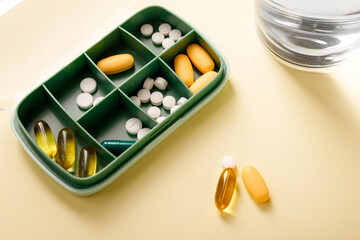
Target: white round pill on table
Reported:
[(148, 83), (136, 100), (181, 101), (144, 95), (174, 108), (84, 100), (88, 85), (160, 83), (143, 132), (175, 34), (156, 98), (228, 162), (160, 119), (157, 38), (97, 100), (154, 112), (169, 102), (133, 126), (165, 28), (146, 30), (168, 42)]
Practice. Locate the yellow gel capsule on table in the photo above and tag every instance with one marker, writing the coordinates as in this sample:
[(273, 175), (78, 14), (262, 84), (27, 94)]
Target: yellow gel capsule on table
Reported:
[(202, 81), (184, 69), (45, 138), (116, 64), (200, 58), (255, 184), (225, 188), (87, 162), (66, 148)]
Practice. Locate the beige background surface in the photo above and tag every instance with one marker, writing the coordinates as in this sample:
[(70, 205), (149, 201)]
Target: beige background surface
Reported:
[(300, 130)]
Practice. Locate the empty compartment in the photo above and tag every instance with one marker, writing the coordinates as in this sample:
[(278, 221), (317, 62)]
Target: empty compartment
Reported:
[(155, 16), (107, 120), (65, 85), (157, 68), (39, 105), (120, 42), (181, 46)]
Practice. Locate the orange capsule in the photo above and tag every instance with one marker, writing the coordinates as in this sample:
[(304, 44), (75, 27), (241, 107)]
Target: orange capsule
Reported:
[(225, 188)]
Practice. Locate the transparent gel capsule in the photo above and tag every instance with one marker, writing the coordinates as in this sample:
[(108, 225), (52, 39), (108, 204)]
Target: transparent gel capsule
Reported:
[(66, 148), (225, 188), (45, 138), (87, 162)]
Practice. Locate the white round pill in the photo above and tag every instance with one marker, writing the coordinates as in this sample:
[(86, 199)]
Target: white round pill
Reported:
[(144, 95), (84, 100), (148, 83), (97, 100), (157, 38), (143, 132), (88, 85), (133, 126), (181, 101), (169, 102), (228, 162), (161, 83), (146, 30), (156, 98), (165, 28), (175, 34), (174, 108), (136, 100), (168, 42), (160, 119), (154, 112)]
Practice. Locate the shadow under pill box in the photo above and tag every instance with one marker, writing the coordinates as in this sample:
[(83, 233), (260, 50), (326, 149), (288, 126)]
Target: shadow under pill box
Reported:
[(54, 101)]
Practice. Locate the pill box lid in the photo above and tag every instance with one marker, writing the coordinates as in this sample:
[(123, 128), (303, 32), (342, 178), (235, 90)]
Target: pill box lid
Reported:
[(39, 38)]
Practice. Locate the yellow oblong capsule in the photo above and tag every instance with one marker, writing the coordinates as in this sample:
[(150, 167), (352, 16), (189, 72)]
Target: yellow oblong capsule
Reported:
[(66, 148), (87, 162), (116, 63), (255, 184), (200, 58), (45, 138), (225, 188), (184, 69), (202, 81)]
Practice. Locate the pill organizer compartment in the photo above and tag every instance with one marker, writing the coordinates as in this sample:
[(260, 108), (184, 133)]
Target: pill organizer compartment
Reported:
[(41, 105), (154, 16), (120, 41), (65, 85), (157, 68), (55, 100)]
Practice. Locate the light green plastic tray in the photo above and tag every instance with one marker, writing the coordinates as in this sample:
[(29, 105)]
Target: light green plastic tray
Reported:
[(55, 100)]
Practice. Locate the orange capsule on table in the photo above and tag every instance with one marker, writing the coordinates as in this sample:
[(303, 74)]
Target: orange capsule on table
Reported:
[(87, 162), (225, 188), (255, 184), (45, 138)]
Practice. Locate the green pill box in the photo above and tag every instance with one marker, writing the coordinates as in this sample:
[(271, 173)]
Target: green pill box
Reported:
[(54, 101)]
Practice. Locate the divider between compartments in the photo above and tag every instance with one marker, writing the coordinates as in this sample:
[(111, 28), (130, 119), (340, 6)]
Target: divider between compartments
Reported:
[(78, 128), (183, 38), (137, 40), (98, 72)]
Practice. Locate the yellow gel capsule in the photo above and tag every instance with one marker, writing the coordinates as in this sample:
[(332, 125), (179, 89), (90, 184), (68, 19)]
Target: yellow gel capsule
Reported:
[(200, 58), (87, 162), (184, 69), (225, 188), (45, 138), (255, 184), (202, 81), (116, 64), (66, 148)]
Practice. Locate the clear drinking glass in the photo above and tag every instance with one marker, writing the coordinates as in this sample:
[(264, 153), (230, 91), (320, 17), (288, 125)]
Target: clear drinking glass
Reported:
[(314, 34)]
